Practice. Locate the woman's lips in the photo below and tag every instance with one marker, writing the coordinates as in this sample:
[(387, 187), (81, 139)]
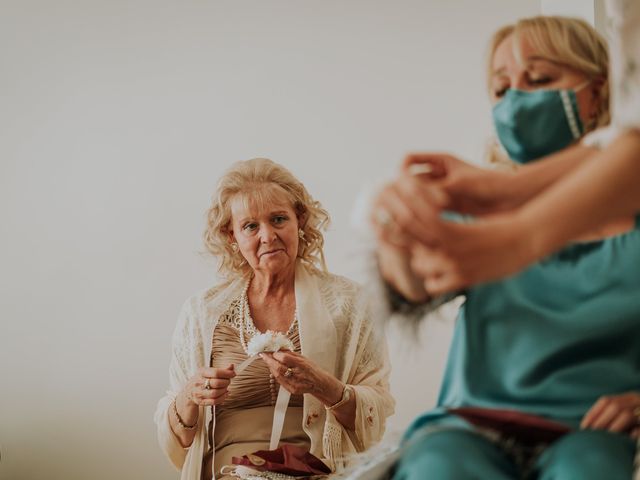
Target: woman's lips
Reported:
[(271, 252)]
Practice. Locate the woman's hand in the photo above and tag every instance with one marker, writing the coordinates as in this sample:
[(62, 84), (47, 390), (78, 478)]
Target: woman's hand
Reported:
[(615, 413), (393, 216), (408, 210), (468, 188), (209, 386), (298, 375)]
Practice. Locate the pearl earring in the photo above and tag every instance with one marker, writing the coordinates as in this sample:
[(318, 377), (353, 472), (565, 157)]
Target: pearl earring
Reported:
[(234, 247), (301, 234)]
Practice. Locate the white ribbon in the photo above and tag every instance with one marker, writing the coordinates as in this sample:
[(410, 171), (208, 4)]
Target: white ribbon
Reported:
[(278, 417), (280, 409), (246, 363)]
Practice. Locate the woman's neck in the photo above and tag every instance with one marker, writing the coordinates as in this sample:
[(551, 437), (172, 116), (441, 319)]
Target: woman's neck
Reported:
[(272, 286)]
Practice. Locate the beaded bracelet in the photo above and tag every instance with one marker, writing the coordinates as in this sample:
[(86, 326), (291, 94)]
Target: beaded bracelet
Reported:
[(180, 422)]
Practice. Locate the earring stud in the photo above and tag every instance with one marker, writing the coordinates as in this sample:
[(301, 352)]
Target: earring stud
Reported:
[(234, 247)]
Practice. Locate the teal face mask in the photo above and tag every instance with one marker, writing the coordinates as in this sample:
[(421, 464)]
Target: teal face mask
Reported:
[(532, 124)]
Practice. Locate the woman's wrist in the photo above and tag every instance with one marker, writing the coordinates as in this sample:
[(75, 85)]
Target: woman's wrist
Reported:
[(186, 409), (512, 188), (331, 393)]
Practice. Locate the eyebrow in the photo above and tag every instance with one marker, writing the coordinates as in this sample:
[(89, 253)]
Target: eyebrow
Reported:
[(251, 218), (528, 61)]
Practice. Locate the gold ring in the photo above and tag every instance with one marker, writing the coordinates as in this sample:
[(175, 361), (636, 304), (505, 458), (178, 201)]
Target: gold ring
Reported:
[(207, 385), (288, 372)]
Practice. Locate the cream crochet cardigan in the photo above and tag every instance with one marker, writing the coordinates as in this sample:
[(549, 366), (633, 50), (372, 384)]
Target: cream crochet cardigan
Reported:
[(335, 332)]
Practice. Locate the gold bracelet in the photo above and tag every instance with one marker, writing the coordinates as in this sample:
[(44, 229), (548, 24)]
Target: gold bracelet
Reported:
[(347, 393), (180, 422)]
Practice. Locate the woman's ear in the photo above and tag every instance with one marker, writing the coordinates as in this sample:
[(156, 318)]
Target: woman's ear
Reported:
[(596, 89), (597, 84), (302, 215)]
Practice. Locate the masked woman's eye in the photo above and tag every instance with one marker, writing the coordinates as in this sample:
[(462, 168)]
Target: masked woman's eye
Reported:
[(540, 81), (499, 92)]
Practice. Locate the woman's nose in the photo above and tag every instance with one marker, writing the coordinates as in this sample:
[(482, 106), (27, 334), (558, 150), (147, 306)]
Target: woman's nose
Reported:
[(518, 82), (267, 234)]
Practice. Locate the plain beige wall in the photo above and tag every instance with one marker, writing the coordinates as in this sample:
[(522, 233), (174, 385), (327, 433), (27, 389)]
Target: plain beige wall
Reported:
[(116, 120)]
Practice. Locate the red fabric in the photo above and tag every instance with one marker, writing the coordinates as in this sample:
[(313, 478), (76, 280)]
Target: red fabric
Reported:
[(526, 428), (288, 459)]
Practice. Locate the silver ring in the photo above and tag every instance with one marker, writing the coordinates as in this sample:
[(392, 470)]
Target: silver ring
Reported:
[(383, 217), (207, 384), (288, 372)]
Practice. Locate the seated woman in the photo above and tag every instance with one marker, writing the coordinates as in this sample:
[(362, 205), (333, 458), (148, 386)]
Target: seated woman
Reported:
[(266, 230), (561, 340)]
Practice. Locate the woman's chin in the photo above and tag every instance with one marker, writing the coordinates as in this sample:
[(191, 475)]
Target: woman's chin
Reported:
[(275, 261)]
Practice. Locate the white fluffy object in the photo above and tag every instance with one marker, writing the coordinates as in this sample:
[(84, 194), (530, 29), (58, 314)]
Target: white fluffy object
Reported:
[(268, 342)]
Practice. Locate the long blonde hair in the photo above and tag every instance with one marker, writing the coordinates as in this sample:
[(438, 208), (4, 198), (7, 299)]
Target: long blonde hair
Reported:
[(261, 181), (567, 41)]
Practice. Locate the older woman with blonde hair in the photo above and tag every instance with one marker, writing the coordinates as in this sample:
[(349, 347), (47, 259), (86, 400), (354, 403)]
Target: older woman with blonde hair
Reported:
[(543, 372), (266, 230)]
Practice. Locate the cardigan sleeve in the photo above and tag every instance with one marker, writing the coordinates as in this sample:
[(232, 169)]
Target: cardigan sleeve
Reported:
[(179, 369), (368, 375), (370, 382)]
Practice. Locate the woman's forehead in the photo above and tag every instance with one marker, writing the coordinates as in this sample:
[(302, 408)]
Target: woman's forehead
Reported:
[(520, 50), (260, 201)]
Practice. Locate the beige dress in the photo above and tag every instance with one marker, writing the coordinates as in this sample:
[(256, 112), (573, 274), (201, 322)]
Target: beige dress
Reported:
[(244, 420)]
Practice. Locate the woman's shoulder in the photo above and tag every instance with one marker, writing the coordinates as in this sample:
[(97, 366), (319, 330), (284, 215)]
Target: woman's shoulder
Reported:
[(339, 284), (340, 295), (206, 297)]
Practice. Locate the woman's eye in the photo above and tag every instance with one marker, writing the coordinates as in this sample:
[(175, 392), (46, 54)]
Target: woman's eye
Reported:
[(500, 92), (279, 219), (539, 81), (250, 227)]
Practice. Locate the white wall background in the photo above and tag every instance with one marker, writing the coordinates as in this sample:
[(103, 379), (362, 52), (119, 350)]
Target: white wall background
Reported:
[(116, 120)]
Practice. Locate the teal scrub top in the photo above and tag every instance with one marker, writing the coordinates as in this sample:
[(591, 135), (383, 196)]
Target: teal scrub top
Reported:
[(553, 339)]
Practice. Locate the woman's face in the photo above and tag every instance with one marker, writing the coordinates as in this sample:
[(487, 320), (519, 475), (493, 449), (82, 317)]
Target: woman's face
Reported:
[(534, 73), (267, 236)]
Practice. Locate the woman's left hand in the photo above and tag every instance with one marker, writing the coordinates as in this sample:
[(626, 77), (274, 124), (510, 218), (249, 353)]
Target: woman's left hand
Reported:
[(615, 413), (299, 375)]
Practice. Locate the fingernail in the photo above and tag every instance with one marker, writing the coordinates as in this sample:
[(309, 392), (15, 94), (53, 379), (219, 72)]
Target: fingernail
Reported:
[(419, 168)]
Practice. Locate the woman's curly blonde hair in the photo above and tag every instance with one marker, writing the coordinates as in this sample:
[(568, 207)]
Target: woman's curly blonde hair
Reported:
[(260, 181)]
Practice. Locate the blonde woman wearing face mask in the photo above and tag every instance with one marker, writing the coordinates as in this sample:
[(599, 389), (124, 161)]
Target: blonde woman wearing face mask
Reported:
[(266, 230), (539, 208), (560, 340)]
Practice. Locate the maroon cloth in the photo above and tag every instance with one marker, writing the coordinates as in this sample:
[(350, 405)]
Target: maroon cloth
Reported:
[(526, 428), (288, 459)]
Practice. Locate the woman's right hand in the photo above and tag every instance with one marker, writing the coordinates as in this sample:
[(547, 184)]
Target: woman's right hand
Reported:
[(470, 189), (208, 387)]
